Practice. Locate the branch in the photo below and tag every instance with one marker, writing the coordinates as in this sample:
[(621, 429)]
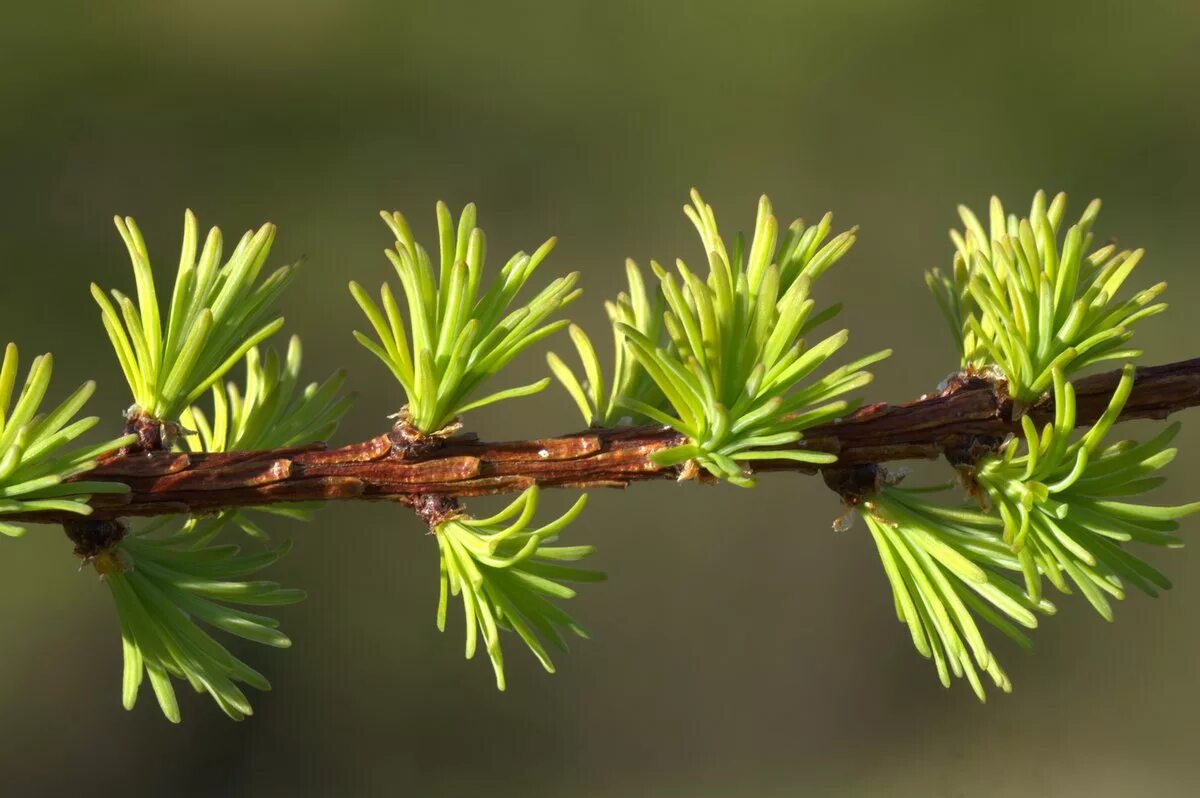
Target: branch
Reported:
[(970, 409)]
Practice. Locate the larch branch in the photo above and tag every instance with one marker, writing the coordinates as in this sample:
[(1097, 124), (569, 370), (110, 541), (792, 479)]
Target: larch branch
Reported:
[(970, 409)]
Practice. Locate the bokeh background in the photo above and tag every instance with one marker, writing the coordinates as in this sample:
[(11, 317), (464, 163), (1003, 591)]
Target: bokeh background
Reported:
[(740, 646)]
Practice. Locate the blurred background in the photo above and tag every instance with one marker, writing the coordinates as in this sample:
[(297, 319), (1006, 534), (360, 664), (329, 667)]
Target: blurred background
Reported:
[(740, 646)]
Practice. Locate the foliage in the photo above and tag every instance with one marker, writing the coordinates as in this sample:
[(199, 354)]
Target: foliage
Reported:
[(507, 575), (1018, 300), (947, 567), (1031, 311), (631, 384), (215, 317), (732, 371), (34, 460), (1063, 504), (163, 589), (1057, 508), (461, 335), (164, 586), (269, 414)]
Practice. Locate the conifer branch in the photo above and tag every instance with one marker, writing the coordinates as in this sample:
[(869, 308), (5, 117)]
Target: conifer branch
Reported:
[(969, 409), (717, 377)]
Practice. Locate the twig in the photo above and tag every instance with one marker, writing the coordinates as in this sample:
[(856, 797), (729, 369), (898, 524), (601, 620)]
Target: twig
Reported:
[(971, 409)]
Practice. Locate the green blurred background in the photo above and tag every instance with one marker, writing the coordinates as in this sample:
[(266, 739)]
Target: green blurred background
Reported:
[(740, 647)]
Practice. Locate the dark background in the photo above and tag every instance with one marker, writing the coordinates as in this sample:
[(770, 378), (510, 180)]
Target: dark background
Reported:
[(740, 647)]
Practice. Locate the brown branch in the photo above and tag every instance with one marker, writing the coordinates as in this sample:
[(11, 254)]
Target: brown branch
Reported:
[(970, 410)]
